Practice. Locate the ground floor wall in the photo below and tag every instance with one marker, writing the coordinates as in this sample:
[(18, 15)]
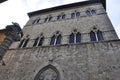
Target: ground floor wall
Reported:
[(85, 61)]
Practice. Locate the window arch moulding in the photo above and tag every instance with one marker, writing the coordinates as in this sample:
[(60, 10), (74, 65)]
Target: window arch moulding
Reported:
[(48, 73)]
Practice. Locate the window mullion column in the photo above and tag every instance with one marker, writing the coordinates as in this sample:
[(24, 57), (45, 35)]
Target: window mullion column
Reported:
[(55, 40), (74, 38), (90, 12), (60, 17), (96, 36), (75, 15), (38, 41), (23, 43)]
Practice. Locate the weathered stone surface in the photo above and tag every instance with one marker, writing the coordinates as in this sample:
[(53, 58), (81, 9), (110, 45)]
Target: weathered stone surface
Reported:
[(88, 61)]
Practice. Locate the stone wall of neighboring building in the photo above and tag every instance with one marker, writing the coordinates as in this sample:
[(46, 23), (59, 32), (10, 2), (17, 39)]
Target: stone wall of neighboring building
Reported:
[(85, 61), (2, 35)]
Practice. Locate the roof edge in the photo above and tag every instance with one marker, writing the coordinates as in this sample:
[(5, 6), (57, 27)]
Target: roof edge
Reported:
[(66, 6), (2, 1)]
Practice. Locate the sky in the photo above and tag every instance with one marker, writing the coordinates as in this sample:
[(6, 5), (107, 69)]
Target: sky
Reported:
[(16, 10)]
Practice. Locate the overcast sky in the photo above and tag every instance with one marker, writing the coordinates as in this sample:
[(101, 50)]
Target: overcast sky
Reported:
[(16, 10)]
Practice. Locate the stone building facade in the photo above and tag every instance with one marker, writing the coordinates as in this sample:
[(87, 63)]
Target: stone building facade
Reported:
[(69, 42)]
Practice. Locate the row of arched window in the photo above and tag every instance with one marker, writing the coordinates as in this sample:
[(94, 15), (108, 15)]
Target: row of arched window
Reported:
[(56, 39), (63, 16)]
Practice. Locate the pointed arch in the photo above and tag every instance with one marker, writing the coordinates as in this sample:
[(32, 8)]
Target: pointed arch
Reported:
[(75, 37), (90, 12), (56, 38), (75, 14), (23, 43), (38, 41), (48, 73)]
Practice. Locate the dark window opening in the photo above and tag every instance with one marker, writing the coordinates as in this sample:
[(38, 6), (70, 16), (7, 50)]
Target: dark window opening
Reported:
[(50, 18), (99, 35), (41, 41), (88, 12), (73, 15), (77, 14), (46, 19), (78, 37), (36, 21), (71, 38), (58, 40), (52, 40), (21, 43), (25, 43), (36, 41), (58, 17), (92, 36), (93, 12), (63, 16)]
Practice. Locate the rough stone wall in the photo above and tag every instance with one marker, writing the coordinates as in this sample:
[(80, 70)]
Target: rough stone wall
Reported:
[(85, 61)]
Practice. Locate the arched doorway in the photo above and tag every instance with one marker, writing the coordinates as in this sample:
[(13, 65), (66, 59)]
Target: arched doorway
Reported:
[(48, 73)]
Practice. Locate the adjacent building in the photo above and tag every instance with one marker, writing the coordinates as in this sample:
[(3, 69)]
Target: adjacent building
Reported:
[(2, 35)]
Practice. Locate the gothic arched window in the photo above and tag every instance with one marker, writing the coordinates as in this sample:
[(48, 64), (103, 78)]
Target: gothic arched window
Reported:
[(96, 36), (61, 16), (90, 12), (93, 11), (47, 19), (48, 73), (23, 43), (58, 17), (38, 41), (36, 21), (55, 39), (75, 38), (75, 14)]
